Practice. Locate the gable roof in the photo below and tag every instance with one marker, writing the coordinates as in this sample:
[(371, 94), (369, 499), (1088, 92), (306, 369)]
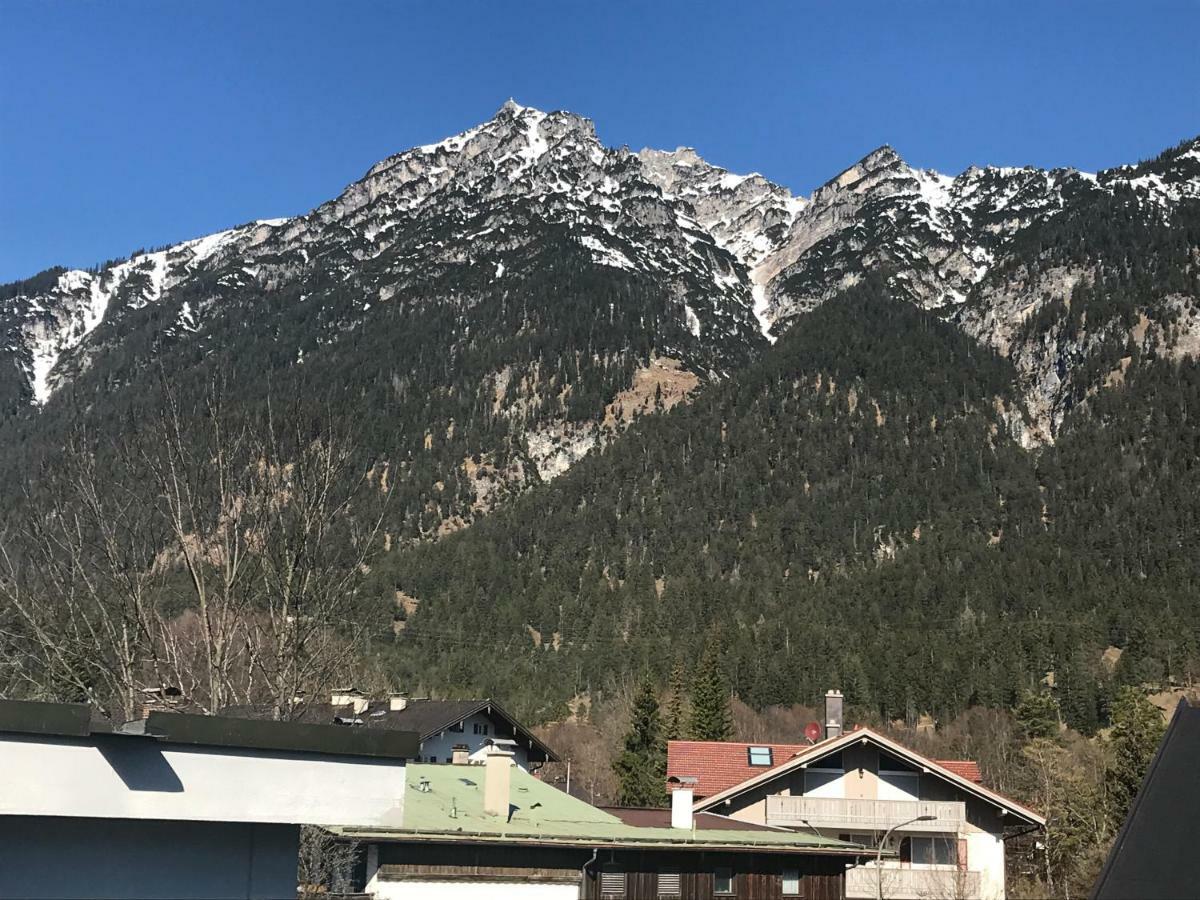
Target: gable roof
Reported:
[(432, 717), (443, 803), (720, 765), (1151, 856), (824, 748)]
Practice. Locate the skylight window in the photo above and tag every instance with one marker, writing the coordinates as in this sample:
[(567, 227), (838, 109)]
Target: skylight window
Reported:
[(760, 756)]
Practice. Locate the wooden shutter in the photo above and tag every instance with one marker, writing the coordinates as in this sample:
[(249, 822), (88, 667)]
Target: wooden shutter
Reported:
[(962, 854), (669, 884)]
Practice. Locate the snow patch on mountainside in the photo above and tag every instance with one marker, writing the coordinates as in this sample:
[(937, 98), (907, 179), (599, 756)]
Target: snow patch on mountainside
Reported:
[(60, 321)]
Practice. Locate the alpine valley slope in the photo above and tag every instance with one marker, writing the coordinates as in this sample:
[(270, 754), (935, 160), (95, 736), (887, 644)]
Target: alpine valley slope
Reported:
[(905, 392)]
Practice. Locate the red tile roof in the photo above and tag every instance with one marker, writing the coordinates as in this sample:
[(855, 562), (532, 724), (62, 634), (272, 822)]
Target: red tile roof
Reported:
[(963, 768), (720, 765)]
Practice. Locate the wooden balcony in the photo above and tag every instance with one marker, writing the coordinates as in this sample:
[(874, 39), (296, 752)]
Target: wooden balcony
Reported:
[(864, 815), (912, 884)]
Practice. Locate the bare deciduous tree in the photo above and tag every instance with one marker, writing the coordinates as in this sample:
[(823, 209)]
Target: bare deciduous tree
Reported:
[(225, 559)]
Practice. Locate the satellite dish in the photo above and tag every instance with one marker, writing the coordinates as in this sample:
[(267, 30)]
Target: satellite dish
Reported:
[(812, 731)]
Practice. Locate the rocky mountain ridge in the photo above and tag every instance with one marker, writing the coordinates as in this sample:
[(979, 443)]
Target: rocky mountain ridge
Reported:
[(739, 255)]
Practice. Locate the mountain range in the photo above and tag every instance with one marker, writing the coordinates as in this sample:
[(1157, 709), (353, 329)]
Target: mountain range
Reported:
[(840, 422)]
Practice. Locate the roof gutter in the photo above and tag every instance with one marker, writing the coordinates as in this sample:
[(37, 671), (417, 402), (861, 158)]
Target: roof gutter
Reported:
[(455, 837)]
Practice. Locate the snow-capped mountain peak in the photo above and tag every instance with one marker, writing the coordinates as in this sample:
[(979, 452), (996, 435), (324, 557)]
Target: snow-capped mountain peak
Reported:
[(739, 255)]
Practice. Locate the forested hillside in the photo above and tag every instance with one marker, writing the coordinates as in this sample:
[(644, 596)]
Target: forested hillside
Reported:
[(931, 439), (852, 511)]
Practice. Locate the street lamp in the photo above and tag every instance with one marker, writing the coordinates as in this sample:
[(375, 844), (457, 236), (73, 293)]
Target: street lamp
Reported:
[(879, 851)]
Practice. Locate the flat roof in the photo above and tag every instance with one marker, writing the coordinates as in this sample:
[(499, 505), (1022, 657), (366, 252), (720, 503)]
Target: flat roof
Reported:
[(443, 803), (79, 720)]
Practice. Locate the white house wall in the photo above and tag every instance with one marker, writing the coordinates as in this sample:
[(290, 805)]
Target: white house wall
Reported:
[(470, 890), (440, 747), (137, 778), (985, 854)]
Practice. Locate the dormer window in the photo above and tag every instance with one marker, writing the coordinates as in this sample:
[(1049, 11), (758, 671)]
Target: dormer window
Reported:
[(759, 756)]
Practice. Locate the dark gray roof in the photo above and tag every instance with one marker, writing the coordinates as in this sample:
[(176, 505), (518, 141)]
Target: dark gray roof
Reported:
[(79, 720), (1152, 854), (425, 717)]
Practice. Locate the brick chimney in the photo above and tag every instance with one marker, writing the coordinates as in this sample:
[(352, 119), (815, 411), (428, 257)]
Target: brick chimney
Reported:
[(460, 754), (833, 714), (398, 701), (497, 781)]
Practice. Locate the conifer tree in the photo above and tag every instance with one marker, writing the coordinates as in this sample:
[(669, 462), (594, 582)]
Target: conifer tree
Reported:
[(675, 721), (642, 766), (1038, 714), (711, 719), (1137, 730)]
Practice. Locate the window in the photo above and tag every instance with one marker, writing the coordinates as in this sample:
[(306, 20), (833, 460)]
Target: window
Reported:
[(723, 880), (457, 728), (612, 882), (929, 851), (759, 756), (480, 728), (669, 884), (791, 881), (433, 759)]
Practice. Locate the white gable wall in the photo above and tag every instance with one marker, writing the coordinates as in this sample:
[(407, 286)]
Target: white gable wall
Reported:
[(440, 747), (139, 778)]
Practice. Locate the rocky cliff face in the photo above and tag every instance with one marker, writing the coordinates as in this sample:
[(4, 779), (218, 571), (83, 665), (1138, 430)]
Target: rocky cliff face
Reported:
[(737, 257)]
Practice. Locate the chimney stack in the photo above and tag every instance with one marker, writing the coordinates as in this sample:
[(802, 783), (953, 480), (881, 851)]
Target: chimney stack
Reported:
[(497, 778), (351, 697), (683, 790), (398, 701), (460, 754), (833, 714)]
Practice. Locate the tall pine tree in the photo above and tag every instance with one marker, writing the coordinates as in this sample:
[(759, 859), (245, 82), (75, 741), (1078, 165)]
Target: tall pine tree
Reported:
[(1038, 714), (675, 723), (711, 719), (1137, 730), (642, 766)]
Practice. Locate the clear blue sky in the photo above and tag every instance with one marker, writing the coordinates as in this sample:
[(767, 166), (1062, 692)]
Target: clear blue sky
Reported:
[(127, 124)]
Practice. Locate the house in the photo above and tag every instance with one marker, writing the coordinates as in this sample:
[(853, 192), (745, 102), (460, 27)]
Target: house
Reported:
[(179, 805), (444, 726), (1152, 854), (948, 828), (498, 832)]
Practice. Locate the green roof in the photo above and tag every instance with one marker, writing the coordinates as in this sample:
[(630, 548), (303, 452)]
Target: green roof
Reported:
[(452, 809)]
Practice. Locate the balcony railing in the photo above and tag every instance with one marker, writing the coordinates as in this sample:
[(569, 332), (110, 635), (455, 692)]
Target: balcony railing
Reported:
[(912, 884), (864, 815)]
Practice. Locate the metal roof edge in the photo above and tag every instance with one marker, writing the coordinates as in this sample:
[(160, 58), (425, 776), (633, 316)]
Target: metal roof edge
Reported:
[(583, 841)]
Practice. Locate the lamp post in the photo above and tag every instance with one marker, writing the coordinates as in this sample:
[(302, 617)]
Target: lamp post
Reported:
[(879, 851)]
